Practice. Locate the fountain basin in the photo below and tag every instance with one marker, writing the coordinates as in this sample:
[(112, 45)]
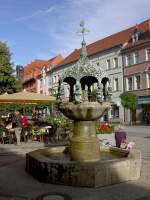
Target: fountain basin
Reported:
[(53, 165), (85, 111)]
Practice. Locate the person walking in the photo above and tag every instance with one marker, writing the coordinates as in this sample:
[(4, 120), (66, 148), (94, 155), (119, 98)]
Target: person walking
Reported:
[(24, 121), (17, 125)]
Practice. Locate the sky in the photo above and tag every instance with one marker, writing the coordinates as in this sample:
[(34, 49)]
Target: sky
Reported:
[(42, 29)]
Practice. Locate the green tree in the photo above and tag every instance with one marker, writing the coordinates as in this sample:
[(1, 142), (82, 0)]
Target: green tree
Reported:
[(129, 101), (8, 82)]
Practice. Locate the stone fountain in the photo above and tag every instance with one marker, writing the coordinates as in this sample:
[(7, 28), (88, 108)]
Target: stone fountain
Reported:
[(82, 163)]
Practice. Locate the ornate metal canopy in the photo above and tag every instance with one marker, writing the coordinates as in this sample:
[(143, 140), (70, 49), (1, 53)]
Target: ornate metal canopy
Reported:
[(84, 67), (82, 76)]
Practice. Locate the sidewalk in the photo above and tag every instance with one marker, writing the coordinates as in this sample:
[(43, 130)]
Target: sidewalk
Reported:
[(17, 184), (138, 128)]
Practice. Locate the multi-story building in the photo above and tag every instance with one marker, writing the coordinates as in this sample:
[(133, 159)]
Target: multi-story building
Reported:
[(136, 62), (128, 48), (44, 79), (33, 71), (105, 54)]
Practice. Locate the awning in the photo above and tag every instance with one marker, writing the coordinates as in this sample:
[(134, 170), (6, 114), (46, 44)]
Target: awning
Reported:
[(25, 97), (144, 100)]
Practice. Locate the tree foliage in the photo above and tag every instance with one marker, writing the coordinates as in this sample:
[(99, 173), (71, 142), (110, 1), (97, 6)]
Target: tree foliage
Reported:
[(129, 100), (8, 82)]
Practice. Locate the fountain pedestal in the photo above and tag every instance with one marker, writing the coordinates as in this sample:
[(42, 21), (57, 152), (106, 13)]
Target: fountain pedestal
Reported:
[(84, 145)]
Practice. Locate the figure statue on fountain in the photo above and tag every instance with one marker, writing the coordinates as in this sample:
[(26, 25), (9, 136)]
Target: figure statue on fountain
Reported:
[(61, 93), (99, 92), (108, 91), (85, 94), (78, 93)]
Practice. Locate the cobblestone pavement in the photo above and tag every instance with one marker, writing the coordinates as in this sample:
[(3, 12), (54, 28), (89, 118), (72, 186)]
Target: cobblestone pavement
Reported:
[(16, 183)]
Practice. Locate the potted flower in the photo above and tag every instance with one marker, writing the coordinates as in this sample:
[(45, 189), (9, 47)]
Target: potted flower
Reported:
[(106, 128)]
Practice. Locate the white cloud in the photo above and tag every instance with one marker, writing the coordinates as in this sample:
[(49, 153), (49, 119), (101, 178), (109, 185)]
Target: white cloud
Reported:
[(103, 18), (37, 14), (60, 22)]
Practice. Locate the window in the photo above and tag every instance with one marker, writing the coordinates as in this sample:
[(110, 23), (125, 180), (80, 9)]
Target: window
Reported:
[(128, 60), (148, 80), (49, 80), (136, 35), (41, 83), (115, 62), (54, 79), (148, 54), (116, 84), (115, 111), (108, 64), (129, 84), (137, 82), (136, 57)]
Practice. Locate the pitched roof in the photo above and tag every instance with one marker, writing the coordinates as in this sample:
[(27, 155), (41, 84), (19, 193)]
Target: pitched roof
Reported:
[(34, 64), (38, 64), (106, 43), (143, 38), (56, 60)]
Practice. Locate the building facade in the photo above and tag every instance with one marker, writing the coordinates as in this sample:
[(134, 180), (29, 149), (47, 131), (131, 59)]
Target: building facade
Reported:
[(31, 72), (124, 57), (106, 55), (136, 62), (34, 72), (45, 78)]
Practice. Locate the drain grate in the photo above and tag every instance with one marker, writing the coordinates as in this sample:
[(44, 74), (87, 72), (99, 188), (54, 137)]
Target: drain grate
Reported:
[(54, 196)]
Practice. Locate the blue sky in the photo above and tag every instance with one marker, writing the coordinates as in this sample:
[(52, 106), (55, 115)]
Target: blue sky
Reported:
[(44, 28)]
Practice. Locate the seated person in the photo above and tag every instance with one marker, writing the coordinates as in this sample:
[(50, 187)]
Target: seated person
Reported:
[(124, 144), (120, 136), (127, 145)]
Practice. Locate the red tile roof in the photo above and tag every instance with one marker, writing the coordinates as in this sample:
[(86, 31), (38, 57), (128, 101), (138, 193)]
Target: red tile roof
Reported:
[(143, 38), (34, 64), (37, 65), (119, 38)]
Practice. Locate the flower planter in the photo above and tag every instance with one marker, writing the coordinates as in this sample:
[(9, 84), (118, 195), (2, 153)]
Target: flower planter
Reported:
[(105, 128)]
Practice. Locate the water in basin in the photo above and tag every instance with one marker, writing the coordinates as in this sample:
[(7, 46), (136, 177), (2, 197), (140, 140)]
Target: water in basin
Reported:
[(65, 157)]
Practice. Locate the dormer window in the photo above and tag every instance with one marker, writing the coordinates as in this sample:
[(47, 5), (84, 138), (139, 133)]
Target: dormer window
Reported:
[(136, 34)]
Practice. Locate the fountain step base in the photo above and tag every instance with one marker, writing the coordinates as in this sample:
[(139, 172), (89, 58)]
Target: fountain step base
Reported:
[(88, 174)]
